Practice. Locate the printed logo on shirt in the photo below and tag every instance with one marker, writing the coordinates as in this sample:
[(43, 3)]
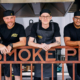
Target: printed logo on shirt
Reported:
[(14, 35), (40, 37)]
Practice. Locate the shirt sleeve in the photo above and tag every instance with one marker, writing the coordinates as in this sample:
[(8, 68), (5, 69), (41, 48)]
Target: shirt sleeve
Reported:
[(22, 32), (56, 30), (33, 30), (66, 32)]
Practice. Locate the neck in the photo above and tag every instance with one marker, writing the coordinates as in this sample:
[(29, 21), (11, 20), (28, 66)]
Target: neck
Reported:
[(45, 26), (78, 27)]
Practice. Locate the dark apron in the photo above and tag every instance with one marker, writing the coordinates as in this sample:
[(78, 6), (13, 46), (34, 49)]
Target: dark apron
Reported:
[(45, 37)]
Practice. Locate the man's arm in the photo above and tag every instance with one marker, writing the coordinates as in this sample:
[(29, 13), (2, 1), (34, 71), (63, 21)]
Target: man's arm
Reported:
[(57, 37), (57, 43), (22, 39), (43, 45), (67, 37), (3, 49), (32, 43), (21, 42), (68, 42)]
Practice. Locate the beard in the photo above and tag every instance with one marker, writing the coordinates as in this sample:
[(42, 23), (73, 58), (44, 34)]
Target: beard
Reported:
[(76, 25), (12, 24)]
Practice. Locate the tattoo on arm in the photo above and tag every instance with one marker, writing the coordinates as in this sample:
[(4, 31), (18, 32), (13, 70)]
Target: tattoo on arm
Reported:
[(57, 42)]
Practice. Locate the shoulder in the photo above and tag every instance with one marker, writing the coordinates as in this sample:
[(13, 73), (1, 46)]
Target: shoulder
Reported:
[(18, 25), (68, 26), (55, 23), (2, 26), (67, 29)]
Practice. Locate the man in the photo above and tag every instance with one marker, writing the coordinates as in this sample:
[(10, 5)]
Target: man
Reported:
[(45, 33), (72, 38), (12, 35)]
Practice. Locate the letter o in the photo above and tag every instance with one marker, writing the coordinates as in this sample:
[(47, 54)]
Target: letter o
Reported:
[(24, 59)]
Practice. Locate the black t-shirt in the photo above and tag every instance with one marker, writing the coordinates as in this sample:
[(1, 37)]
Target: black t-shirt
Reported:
[(56, 29), (72, 32), (11, 35)]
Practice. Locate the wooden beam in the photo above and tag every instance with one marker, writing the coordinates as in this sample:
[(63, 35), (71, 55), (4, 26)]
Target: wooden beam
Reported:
[(33, 1)]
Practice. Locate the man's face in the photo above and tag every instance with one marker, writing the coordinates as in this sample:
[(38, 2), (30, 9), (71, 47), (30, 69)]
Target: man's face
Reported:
[(76, 20), (45, 18), (9, 20)]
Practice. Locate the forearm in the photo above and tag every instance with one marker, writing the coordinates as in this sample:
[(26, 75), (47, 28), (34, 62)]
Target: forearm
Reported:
[(18, 44), (1, 45), (55, 44), (34, 44), (71, 43)]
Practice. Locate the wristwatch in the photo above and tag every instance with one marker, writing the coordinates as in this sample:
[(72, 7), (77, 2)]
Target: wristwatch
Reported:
[(11, 45)]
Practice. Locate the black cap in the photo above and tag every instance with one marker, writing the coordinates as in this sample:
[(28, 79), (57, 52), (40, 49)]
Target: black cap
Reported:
[(77, 13), (8, 13), (45, 11)]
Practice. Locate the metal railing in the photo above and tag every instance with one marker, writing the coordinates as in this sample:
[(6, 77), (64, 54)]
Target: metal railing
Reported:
[(51, 61)]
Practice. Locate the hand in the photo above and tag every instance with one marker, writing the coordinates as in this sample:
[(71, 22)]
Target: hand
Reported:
[(42, 45), (3, 50), (9, 48), (45, 46)]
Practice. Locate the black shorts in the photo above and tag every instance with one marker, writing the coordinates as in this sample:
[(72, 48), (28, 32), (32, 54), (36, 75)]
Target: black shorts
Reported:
[(15, 67), (16, 70)]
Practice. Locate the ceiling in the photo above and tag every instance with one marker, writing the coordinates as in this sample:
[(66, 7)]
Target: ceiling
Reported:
[(32, 8)]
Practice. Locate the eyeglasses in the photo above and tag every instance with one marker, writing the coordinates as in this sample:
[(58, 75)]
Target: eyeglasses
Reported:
[(76, 18), (45, 17)]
